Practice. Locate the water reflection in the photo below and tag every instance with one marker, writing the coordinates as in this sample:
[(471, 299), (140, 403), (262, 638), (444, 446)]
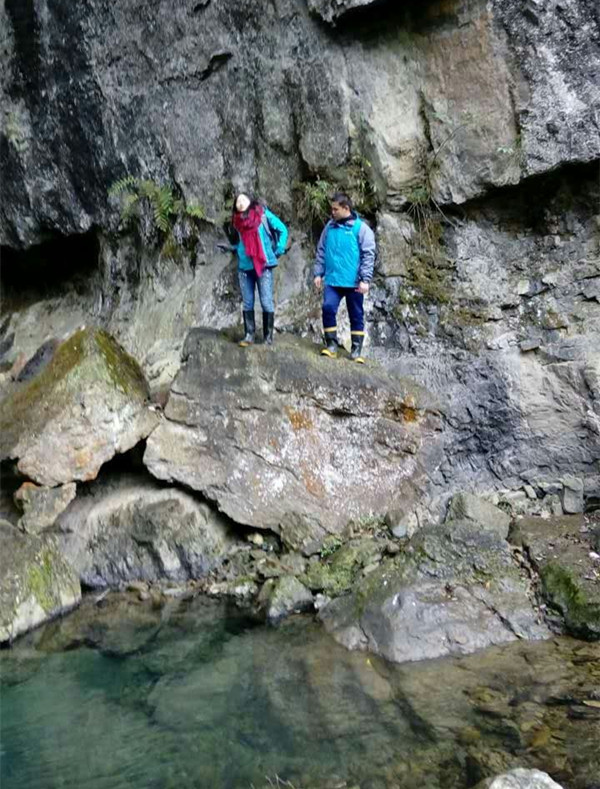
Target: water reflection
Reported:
[(192, 694)]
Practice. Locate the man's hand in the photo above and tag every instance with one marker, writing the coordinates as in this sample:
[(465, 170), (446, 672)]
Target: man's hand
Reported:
[(363, 287), (318, 282)]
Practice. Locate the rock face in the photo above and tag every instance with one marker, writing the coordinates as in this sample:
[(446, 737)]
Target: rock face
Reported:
[(453, 590), (287, 440), (36, 583), (88, 404), (523, 103), (133, 529)]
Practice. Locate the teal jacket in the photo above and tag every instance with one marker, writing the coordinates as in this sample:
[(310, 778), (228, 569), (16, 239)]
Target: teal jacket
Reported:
[(346, 253), (279, 234)]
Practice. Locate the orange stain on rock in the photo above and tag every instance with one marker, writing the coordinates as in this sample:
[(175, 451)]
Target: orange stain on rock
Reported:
[(300, 420)]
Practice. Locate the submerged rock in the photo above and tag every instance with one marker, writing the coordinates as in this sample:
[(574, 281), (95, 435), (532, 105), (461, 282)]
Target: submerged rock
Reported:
[(134, 529), (36, 583), (283, 439), (85, 406), (454, 589)]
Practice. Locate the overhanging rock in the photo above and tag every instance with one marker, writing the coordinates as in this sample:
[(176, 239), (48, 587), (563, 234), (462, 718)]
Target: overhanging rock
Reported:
[(287, 440)]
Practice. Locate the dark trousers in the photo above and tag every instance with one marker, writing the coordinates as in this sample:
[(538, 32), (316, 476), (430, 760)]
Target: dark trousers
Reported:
[(354, 302)]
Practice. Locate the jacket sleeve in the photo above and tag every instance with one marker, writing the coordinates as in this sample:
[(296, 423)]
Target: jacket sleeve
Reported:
[(319, 268), (280, 230), (366, 243)]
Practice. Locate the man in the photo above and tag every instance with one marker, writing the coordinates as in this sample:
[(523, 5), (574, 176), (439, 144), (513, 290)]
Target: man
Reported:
[(345, 259)]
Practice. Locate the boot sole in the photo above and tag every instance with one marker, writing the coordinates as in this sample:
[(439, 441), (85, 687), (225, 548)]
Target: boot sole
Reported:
[(330, 354), (359, 360), (245, 344)]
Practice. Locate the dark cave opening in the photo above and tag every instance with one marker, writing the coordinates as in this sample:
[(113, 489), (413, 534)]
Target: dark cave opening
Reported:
[(48, 269)]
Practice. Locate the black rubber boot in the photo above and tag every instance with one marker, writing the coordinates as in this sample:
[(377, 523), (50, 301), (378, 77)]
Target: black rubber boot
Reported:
[(331, 345), (356, 350), (268, 320), (249, 328)]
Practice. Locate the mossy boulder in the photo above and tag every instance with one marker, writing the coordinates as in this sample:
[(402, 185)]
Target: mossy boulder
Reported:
[(564, 593), (36, 583), (453, 589), (561, 550), (87, 404)]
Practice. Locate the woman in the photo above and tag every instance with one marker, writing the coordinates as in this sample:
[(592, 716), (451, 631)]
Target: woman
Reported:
[(260, 240)]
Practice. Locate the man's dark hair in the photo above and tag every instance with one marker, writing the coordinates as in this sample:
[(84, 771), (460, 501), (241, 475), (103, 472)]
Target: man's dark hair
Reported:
[(341, 199)]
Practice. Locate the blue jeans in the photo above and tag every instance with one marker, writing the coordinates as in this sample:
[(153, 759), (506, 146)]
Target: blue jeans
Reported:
[(248, 281), (354, 302)]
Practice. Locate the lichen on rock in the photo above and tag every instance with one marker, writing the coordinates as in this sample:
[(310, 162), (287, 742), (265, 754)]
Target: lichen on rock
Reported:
[(36, 582)]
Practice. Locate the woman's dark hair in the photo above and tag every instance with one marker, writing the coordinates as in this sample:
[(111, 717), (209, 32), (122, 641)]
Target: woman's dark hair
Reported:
[(231, 232), (341, 199), (254, 201)]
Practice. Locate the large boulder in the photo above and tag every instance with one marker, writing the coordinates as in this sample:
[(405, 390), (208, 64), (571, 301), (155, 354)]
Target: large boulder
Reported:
[(453, 590), (88, 403), (133, 529), (286, 440), (36, 583)]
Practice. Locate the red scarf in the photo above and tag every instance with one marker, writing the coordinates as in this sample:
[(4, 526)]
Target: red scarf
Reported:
[(247, 226)]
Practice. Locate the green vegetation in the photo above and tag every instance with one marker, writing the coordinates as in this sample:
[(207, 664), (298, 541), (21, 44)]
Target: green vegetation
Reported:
[(355, 179), (171, 220), (313, 200), (39, 581), (561, 590), (330, 545)]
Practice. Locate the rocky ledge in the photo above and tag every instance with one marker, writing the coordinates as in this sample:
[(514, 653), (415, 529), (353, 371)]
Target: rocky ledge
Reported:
[(283, 439)]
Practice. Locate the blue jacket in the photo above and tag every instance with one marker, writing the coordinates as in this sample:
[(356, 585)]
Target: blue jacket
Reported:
[(346, 253), (276, 225)]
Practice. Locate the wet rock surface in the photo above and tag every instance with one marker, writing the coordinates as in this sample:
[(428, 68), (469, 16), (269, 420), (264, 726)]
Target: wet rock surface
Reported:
[(283, 439), (521, 779), (88, 403), (36, 583), (174, 677)]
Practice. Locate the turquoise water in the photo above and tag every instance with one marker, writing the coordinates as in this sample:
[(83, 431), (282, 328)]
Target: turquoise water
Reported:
[(192, 694)]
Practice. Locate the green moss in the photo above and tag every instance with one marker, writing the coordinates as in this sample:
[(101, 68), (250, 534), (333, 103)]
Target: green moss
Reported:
[(122, 368), (87, 355), (561, 590), (465, 317), (338, 572), (425, 276), (41, 398), (40, 581)]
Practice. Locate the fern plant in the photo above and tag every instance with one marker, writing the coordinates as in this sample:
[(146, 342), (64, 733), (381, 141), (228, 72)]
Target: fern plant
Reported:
[(139, 195), (313, 200)]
